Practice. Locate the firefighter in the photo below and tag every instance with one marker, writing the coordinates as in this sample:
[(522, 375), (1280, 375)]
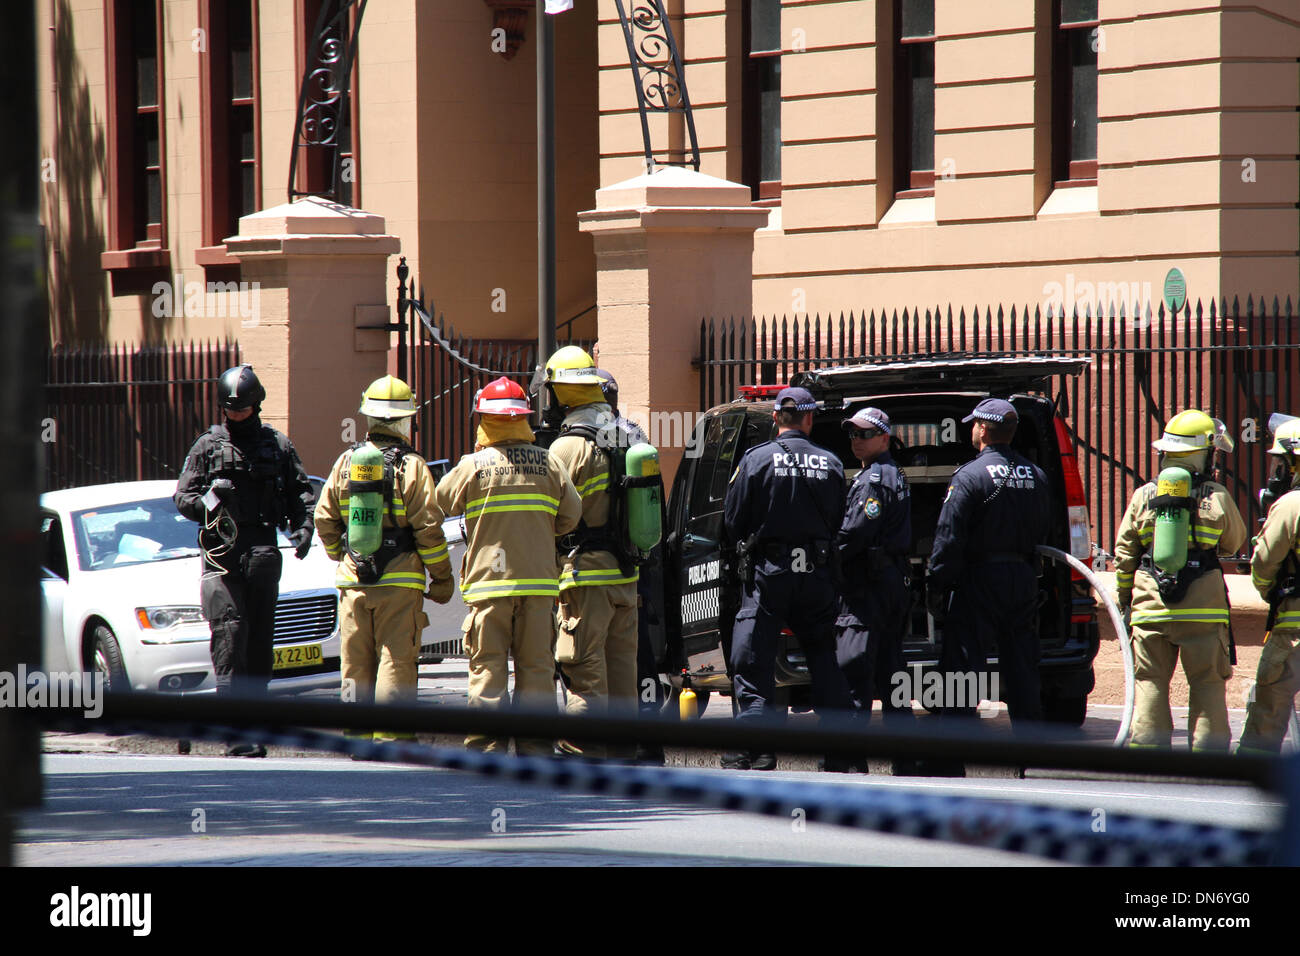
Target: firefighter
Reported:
[(983, 573), (597, 642), (874, 540), (650, 690), (1273, 570), (516, 498), (782, 513), (1182, 612), (240, 480), (382, 591)]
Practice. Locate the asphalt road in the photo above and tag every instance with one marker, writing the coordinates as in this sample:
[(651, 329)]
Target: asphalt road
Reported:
[(132, 809), (132, 801)]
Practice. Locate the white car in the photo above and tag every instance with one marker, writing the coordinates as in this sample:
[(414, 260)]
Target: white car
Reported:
[(120, 595)]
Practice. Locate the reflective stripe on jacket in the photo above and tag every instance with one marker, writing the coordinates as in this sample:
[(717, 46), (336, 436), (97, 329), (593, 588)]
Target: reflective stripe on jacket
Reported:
[(515, 498), (1217, 524), (412, 504), (1279, 537), (588, 468)]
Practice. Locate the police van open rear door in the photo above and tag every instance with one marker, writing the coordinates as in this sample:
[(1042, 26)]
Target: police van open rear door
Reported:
[(996, 375), (695, 561)]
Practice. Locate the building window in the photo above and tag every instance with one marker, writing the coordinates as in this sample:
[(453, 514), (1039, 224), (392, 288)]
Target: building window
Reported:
[(914, 98), (1074, 92), (314, 173), (232, 182), (137, 176), (762, 100)]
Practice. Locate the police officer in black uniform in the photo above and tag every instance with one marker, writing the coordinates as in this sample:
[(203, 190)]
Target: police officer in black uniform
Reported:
[(874, 541), (783, 509), (241, 480), (984, 569)]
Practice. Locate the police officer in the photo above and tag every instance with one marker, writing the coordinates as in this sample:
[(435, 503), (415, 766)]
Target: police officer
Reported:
[(381, 614), (783, 508), (1274, 570), (874, 541), (1185, 614), (596, 646), (516, 498), (242, 480), (983, 575)]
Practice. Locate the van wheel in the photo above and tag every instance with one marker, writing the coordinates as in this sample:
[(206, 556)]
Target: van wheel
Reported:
[(1070, 711), (106, 659)]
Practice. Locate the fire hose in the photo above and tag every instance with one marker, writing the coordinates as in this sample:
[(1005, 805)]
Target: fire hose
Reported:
[(1125, 642)]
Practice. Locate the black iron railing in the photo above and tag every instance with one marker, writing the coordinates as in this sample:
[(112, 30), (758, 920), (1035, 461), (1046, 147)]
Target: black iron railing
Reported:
[(120, 413), (446, 369), (1238, 362)]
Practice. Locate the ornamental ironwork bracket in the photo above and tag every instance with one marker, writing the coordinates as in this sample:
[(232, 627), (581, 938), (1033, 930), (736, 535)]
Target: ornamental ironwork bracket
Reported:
[(323, 97), (659, 78)]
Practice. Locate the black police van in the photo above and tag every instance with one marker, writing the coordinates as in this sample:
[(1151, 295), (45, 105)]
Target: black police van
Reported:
[(926, 399)]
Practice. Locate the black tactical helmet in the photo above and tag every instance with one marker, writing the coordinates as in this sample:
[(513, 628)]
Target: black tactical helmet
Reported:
[(608, 386), (239, 388)]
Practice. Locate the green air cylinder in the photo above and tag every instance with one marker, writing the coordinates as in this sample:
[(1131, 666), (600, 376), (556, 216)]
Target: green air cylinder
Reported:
[(1169, 542), (365, 500), (644, 502)]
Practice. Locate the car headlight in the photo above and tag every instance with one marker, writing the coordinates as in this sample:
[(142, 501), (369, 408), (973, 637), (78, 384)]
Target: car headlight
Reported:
[(166, 625)]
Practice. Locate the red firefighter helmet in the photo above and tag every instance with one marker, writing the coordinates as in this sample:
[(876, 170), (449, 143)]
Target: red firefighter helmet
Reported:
[(502, 397)]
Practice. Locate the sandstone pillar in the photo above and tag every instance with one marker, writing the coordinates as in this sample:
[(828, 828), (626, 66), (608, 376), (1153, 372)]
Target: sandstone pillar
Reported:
[(316, 337), (672, 247)]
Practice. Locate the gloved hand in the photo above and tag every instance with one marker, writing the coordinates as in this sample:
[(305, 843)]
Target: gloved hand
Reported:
[(1125, 601), (301, 541), (937, 602), (223, 488), (440, 591)]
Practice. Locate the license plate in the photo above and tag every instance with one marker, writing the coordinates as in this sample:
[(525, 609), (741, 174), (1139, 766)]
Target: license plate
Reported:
[(303, 655)]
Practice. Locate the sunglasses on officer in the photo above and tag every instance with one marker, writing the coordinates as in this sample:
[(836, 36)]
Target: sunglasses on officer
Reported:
[(865, 433)]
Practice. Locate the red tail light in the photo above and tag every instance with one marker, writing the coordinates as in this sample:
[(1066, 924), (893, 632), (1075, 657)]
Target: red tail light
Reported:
[(1076, 501)]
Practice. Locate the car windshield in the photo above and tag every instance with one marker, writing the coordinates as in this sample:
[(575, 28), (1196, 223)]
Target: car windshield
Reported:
[(135, 532)]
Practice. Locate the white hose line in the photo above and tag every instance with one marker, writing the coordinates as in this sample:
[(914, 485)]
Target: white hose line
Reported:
[(1125, 643)]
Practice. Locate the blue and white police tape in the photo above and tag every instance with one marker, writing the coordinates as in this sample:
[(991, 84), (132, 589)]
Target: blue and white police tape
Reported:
[(1054, 833)]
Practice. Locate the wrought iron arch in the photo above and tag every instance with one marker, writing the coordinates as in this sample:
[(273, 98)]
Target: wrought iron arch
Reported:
[(324, 94), (659, 77)]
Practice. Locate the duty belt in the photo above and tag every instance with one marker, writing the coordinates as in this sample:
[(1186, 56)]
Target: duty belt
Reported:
[(777, 550)]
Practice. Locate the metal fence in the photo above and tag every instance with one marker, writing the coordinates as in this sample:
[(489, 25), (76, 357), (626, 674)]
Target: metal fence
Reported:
[(447, 369), (121, 413), (1238, 362)]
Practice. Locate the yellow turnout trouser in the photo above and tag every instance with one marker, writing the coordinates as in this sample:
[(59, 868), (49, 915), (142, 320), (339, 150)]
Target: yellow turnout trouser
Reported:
[(596, 649), (1204, 651), (1276, 684), (496, 630), (380, 629)]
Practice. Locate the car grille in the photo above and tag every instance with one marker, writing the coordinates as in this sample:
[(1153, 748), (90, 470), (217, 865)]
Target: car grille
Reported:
[(305, 618)]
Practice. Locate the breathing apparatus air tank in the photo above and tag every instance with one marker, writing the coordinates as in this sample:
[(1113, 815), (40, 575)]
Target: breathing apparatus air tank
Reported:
[(644, 498), (1173, 519), (365, 500)]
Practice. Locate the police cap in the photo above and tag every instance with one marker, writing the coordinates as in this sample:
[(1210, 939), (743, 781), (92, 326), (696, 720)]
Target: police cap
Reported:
[(994, 410), (868, 418), (796, 400)]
